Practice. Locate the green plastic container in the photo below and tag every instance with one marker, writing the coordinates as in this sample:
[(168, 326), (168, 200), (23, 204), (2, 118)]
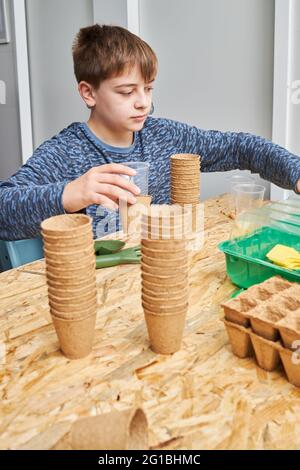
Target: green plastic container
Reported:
[(246, 261)]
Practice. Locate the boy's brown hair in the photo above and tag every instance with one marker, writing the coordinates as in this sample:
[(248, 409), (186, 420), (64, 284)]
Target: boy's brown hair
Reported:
[(103, 51)]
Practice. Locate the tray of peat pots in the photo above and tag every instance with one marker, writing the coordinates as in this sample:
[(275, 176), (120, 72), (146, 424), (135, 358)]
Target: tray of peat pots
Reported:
[(265, 321), (289, 329), (290, 354)]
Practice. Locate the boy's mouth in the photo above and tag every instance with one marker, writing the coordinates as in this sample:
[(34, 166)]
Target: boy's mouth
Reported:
[(140, 118)]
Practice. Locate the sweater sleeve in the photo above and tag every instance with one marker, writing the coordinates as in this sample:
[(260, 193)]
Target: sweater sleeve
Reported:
[(32, 194), (224, 151)]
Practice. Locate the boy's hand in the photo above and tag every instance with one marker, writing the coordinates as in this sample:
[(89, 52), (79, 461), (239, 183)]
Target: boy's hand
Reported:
[(101, 185)]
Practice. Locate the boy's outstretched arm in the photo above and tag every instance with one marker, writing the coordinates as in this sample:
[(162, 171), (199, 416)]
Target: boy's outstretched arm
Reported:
[(47, 185), (224, 151), (29, 196)]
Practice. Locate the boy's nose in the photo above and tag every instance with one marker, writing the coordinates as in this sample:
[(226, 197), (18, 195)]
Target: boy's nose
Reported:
[(141, 101)]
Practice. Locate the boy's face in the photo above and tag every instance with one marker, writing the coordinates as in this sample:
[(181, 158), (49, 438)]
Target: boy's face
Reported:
[(122, 103)]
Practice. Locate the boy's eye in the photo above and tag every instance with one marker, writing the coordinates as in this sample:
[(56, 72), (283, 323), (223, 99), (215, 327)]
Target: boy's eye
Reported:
[(130, 92)]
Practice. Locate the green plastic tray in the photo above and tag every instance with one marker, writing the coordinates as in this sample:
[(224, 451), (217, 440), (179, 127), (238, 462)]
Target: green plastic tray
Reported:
[(246, 261)]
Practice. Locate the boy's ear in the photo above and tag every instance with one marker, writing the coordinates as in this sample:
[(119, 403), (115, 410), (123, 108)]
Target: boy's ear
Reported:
[(87, 94)]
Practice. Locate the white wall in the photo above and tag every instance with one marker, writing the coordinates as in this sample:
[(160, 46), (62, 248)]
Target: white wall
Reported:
[(10, 142), (112, 12), (286, 92), (215, 65), (294, 130), (52, 26)]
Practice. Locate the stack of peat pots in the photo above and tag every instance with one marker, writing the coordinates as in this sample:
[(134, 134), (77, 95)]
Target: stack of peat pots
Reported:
[(71, 281), (164, 275), (185, 190)]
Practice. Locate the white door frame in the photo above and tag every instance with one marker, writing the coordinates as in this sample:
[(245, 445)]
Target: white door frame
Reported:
[(133, 16), (22, 66), (283, 44), (131, 19)]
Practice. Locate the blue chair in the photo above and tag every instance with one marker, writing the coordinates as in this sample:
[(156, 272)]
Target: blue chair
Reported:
[(19, 252)]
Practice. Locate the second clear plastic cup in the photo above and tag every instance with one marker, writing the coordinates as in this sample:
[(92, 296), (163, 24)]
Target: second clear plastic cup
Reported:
[(248, 196), (238, 178)]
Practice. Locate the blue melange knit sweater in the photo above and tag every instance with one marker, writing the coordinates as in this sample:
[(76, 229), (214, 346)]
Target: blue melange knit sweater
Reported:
[(35, 191)]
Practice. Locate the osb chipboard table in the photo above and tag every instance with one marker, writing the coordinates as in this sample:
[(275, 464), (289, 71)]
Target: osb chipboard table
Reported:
[(202, 397)]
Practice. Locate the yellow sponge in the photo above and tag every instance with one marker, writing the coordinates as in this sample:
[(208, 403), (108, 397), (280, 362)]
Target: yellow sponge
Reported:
[(284, 256)]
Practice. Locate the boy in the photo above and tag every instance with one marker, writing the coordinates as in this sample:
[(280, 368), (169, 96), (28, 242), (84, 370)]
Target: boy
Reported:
[(80, 168)]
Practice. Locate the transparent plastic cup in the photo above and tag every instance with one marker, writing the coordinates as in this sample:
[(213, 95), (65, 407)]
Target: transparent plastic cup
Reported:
[(238, 178), (232, 180), (142, 175), (248, 196)]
